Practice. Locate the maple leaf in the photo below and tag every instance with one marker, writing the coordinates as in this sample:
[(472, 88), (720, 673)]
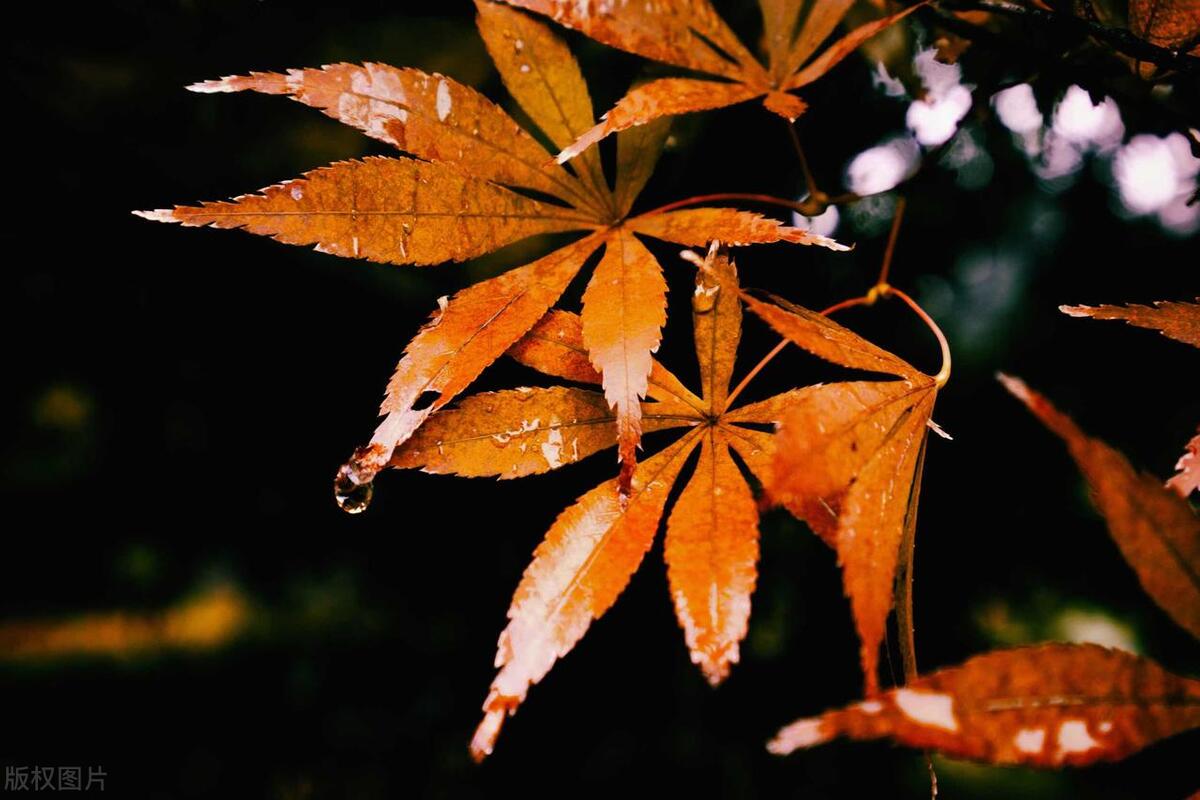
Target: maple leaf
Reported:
[(690, 34), (1156, 530), (466, 192), (1047, 705), (1173, 319), (1173, 24), (1187, 471), (846, 459), (593, 548)]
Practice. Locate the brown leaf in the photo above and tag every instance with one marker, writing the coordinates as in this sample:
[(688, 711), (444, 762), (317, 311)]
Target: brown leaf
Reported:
[(624, 309), (389, 210), (431, 116), (711, 550), (1154, 528), (585, 562), (1048, 706), (1176, 320), (1187, 471), (1166, 23)]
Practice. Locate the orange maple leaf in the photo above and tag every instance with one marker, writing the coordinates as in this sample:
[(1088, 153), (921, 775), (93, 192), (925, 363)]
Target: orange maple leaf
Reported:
[(690, 34), (1155, 529), (595, 545), (453, 202), (1167, 23), (1048, 705), (847, 460), (1175, 320)]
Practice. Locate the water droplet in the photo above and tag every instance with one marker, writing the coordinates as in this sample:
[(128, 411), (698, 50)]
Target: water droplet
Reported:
[(352, 495)]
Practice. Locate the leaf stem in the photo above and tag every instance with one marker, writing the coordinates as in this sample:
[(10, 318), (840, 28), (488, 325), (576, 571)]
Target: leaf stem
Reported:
[(727, 196), (809, 181), (943, 374), (893, 235)]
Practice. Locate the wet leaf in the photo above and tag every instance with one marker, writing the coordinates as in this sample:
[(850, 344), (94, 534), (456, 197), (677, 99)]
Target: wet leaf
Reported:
[(1176, 320), (1048, 706), (624, 309), (389, 210), (519, 432), (593, 548), (584, 563), (845, 461), (467, 193), (691, 35), (1156, 531)]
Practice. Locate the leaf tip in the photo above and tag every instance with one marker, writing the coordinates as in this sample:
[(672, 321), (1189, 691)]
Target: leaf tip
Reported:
[(1017, 387), (1075, 311), (216, 86), (157, 215), (484, 740), (800, 734)]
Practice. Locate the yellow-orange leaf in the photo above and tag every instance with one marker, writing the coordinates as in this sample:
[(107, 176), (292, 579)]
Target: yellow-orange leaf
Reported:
[(683, 32), (823, 337), (832, 55), (389, 210), (779, 28), (845, 459), (638, 150), (1155, 529), (624, 309), (696, 227), (674, 31), (429, 115), (578, 571), (664, 97), (475, 327), (1179, 321), (555, 347), (717, 326), (542, 75), (1049, 706), (820, 22), (518, 432), (711, 551)]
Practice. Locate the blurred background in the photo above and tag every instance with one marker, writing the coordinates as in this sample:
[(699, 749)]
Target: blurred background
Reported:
[(181, 601)]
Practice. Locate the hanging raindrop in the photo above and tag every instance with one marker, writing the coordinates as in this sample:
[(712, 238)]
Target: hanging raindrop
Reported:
[(354, 485)]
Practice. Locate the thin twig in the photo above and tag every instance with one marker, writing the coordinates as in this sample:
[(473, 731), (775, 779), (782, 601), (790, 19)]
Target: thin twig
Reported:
[(1119, 39)]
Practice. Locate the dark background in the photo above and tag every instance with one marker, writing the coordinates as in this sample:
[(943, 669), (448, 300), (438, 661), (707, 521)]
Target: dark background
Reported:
[(176, 403)]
